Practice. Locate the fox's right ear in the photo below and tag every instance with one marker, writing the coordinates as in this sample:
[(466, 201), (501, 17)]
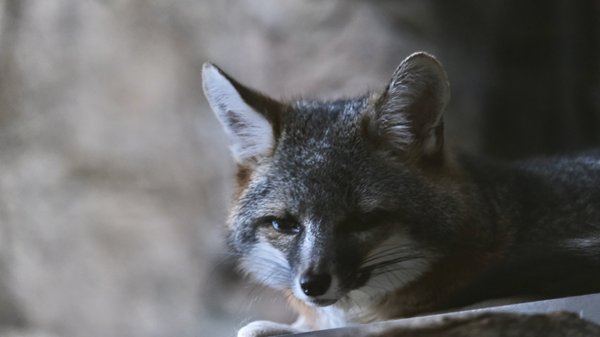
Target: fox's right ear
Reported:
[(249, 118)]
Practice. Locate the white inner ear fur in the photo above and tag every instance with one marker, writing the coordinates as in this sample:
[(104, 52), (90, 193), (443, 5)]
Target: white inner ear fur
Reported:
[(250, 133)]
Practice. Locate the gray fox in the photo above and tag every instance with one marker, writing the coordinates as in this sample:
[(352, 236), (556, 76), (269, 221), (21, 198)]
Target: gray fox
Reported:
[(358, 211)]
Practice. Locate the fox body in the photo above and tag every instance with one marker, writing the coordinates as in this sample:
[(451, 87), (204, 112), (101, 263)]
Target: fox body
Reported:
[(357, 210)]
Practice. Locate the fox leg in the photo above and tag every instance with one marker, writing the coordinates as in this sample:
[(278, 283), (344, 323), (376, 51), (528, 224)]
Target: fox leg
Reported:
[(268, 328)]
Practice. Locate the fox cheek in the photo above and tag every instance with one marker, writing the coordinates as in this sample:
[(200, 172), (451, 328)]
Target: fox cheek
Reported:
[(267, 265)]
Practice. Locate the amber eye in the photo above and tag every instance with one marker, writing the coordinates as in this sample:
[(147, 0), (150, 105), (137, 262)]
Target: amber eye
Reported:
[(285, 226)]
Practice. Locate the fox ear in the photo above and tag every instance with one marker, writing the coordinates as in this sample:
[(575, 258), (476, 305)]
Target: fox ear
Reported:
[(409, 113), (248, 117)]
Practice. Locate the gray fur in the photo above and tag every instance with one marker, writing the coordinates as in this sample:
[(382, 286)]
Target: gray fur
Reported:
[(339, 174)]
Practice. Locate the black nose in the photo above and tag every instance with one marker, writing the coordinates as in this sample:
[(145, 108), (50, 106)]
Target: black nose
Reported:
[(315, 284)]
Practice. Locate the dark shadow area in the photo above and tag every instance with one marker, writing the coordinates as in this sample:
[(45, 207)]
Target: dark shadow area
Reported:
[(542, 61)]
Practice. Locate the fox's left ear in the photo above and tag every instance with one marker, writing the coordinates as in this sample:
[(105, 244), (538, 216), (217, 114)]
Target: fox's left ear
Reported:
[(409, 113), (249, 118)]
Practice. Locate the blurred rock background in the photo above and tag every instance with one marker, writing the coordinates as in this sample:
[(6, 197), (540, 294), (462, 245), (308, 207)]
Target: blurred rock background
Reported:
[(115, 176)]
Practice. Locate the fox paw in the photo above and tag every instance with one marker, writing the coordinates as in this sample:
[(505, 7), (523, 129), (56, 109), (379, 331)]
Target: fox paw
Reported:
[(266, 328)]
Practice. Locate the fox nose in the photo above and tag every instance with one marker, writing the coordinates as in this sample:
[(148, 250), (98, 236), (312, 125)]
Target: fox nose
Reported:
[(315, 284)]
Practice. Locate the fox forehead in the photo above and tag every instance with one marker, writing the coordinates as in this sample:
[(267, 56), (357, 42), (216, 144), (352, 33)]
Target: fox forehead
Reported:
[(313, 138), (316, 143), (318, 126), (287, 190), (323, 165), (329, 110)]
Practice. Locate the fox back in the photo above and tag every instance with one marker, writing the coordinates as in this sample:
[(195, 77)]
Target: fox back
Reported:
[(357, 210)]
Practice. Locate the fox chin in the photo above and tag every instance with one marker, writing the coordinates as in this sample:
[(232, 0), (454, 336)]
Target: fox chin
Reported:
[(358, 211)]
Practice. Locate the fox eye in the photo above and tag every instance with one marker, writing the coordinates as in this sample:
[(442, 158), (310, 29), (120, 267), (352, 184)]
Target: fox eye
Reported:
[(284, 226)]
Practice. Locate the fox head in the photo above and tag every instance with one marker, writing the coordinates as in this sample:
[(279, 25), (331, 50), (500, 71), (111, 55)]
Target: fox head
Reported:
[(339, 199)]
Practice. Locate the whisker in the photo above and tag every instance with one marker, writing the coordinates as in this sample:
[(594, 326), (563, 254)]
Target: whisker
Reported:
[(395, 267), (393, 260), (387, 252)]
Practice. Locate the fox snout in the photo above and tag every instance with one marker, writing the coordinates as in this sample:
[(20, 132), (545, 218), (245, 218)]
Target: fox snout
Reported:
[(313, 284), (320, 284), (317, 281), (326, 288), (318, 289)]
